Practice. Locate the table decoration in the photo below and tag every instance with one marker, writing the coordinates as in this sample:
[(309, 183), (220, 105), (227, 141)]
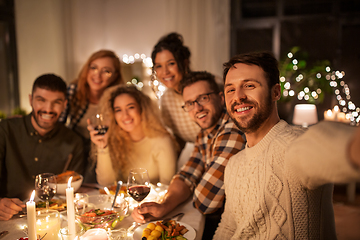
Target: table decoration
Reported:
[(70, 209), (31, 217), (48, 224)]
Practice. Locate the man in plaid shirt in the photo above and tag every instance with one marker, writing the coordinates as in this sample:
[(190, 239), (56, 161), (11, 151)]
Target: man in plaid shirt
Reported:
[(203, 174)]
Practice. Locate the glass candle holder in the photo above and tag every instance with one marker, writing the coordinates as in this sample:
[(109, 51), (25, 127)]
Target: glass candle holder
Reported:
[(48, 222)]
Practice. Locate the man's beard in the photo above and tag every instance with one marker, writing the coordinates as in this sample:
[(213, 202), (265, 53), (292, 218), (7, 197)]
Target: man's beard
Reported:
[(255, 122), (43, 126)]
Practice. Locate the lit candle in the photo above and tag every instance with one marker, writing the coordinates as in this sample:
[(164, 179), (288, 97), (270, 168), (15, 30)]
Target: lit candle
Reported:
[(328, 115), (336, 112), (31, 217), (70, 209), (341, 117)]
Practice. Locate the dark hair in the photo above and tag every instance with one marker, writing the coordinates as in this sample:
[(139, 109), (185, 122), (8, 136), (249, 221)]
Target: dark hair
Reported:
[(173, 42), (50, 82), (194, 77), (265, 60)]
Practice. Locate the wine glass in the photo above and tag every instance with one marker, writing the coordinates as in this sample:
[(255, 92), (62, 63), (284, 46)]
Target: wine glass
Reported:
[(99, 123), (45, 187), (138, 184)]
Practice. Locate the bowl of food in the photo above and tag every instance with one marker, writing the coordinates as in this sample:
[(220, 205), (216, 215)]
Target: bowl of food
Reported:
[(62, 180), (95, 211)]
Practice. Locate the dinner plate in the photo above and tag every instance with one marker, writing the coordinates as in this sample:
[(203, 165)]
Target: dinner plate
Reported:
[(190, 235)]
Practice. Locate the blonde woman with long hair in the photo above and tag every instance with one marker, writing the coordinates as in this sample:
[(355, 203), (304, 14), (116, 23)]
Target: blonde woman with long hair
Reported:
[(136, 138)]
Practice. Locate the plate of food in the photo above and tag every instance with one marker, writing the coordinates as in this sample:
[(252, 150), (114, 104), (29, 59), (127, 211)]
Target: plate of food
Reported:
[(157, 231), (55, 204)]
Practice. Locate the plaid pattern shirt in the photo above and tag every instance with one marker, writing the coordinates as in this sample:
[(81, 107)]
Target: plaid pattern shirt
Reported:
[(68, 119), (176, 118), (204, 172)]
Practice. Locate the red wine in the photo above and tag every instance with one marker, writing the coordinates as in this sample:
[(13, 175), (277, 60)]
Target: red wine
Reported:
[(101, 130), (45, 195), (138, 193)]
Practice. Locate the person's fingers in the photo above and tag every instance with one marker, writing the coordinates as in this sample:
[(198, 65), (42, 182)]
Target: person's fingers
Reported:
[(5, 216), (137, 216), (19, 203), (9, 207)]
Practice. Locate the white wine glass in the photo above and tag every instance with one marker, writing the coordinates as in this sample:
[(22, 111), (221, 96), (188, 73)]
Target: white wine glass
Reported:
[(45, 187)]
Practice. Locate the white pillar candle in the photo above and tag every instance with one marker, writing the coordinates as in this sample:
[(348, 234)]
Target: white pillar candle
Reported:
[(31, 217), (70, 209)]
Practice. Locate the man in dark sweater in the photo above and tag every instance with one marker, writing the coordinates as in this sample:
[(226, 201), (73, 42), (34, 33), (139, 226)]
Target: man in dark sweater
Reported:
[(36, 143)]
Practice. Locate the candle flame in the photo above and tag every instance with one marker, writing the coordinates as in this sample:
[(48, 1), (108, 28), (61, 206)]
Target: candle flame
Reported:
[(69, 182), (32, 196), (329, 113)]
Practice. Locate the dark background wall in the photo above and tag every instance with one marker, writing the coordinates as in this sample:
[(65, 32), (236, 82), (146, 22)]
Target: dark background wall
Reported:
[(324, 29)]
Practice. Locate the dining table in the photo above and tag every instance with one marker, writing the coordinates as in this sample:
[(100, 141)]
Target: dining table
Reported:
[(192, 217)]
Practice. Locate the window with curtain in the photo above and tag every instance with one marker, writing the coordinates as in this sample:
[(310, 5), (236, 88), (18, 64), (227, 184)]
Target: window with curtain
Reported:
[(9, 93)]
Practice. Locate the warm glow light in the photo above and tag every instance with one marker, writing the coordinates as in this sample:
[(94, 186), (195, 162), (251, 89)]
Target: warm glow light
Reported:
[(305, 115), (32, 196), (107, 191), (69, 182), (329, 113)]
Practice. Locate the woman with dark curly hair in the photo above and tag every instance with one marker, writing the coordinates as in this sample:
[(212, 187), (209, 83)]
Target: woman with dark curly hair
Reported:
[(171, 61), (136, 138)]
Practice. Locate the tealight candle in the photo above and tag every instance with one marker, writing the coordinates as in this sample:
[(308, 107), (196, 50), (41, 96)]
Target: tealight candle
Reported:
[(70, 209), (328, 115), (31, 217)]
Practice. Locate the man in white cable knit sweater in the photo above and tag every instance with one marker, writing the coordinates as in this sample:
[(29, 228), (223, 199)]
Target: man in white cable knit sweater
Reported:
[(280, 186)]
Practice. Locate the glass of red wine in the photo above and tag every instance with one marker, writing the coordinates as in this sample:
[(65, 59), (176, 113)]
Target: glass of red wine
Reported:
[(99, 123), (138, 184), (45, 187)]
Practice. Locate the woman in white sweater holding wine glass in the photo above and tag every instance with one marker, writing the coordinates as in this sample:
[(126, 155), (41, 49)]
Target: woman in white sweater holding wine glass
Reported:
[(136, 138)]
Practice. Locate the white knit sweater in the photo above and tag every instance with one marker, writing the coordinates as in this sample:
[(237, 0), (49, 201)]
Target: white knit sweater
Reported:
[(281, 187)]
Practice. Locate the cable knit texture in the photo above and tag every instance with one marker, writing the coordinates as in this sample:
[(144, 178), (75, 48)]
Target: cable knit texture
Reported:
[(271, 192)]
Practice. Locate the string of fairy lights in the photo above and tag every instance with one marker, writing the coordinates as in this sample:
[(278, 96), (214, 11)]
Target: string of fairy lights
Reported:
[(334, 78), (155, 84)]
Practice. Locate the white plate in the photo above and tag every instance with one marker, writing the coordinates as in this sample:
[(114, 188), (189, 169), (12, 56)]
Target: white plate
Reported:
[(190, 235)]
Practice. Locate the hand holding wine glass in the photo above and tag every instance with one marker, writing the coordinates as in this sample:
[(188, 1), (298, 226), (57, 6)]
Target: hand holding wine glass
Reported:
[(45, 186), (138, 184), (98, 126)]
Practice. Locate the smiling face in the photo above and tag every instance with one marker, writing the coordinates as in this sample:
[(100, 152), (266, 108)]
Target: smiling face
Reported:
[(207, 114), (167, 70), (46, 109), (101, 74), (249, 101), (128, 115)]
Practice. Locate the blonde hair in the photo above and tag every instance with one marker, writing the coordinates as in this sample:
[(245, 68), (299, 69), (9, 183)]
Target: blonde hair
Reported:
[(119, 143), (82, 92)]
